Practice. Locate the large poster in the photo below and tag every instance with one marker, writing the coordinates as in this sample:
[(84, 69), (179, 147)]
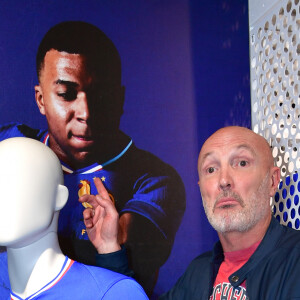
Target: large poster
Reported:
[(185, 69)]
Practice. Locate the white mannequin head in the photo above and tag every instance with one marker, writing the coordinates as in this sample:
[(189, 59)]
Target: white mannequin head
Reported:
[(31, 191)]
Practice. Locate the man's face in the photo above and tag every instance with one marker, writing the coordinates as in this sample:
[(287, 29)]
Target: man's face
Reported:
[(82, 110), (236, 179)]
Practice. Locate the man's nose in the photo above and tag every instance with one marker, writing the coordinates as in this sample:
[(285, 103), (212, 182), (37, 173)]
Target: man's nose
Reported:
[(82, 107), (225, 179)]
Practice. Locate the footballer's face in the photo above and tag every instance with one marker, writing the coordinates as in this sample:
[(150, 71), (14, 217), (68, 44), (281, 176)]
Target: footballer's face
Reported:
[(82, 110)]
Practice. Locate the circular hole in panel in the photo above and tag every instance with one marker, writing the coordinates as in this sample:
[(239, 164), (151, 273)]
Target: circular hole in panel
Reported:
[(293, 129), (264, 65), (275, 91), (279, 161), (295, 90), (260, 56), (278, 54), (270, 35), (259, 32), (255, 128), (293, 14), (286, 47), (263, 42), (292, 190), (281, 207), (268, 74), (271, 60), (291, 55), (270, 119), (286, 157), (286, 71), (262, 124), (273, 20), (282, 62), (274, 129), (265, 88), (269, 97), (274, 44), (290, 30), (284, 109), (272, 82), (284, 193), (285, 21), (288, 6), (267, 133), (296, 200), (287, 180), (294, 40), (253, 62), (298, 49), (296, 2), (288, 203), (281, 37), (293, 213), (266, 28), (281, 13), (283, 85), (266, 110), (295, 177), (291, 80), (275, 151), (287, 95), (279, 78), (295, 65), (285, 216), (281, 124), (297, 223), (275, 68), (291, 167), (262, 101)]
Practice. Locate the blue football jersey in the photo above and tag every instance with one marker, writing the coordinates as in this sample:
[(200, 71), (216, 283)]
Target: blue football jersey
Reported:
[(78, 281)]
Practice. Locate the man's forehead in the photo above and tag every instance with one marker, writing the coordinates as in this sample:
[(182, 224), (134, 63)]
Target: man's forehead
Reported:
[(228, 150)]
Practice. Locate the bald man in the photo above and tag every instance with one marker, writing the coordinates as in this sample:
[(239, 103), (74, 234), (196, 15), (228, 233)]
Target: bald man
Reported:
[(256, 257)]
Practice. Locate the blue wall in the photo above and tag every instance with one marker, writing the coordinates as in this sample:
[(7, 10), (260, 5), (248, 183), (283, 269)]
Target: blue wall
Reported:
[(186, 72)]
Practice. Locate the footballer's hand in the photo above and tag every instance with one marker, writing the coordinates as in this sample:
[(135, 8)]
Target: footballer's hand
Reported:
[(101, 220)]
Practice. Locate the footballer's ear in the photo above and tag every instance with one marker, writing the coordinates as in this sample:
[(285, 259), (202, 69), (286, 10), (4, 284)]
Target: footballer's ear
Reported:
[(39, 99), (62, 195)]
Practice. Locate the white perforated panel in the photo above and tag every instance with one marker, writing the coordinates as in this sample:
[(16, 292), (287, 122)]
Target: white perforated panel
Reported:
[(275, 98)]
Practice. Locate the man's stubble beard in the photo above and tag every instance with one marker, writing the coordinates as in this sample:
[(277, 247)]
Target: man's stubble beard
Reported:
[(246, 217)]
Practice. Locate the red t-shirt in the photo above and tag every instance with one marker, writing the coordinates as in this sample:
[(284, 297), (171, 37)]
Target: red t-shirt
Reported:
[(232, 262)]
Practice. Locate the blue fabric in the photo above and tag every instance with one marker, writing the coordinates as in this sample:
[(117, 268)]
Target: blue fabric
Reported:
[(139, 183), (271, 273), (88, 282)]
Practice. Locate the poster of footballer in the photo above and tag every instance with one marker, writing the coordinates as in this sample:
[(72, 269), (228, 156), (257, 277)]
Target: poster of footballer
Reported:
[(127, 91)]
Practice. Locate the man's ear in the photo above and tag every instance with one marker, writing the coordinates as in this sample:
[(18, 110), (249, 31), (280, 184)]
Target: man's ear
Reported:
[(39, 99), (61, 197), (275, 178)]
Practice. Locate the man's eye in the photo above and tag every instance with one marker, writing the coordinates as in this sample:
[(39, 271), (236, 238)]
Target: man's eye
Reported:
[(210, 170), (243, 163), (68, 95)]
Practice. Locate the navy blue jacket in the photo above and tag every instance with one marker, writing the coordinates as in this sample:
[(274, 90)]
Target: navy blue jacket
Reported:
[(272, 272)]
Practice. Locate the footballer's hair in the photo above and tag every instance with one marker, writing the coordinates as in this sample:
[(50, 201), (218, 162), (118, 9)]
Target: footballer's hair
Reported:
[(77, 37)]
